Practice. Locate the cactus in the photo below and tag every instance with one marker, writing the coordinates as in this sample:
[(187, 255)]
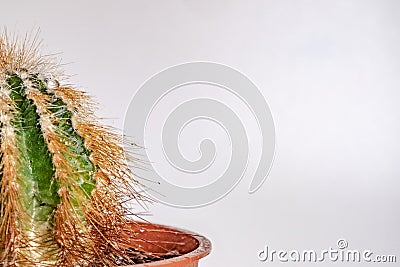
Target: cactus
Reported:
[(63, 175)]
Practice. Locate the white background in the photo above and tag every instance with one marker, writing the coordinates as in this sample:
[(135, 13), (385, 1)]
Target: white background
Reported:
[(330, 73)]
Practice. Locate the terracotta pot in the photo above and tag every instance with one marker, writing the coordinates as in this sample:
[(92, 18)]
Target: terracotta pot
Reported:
[(164, 240)]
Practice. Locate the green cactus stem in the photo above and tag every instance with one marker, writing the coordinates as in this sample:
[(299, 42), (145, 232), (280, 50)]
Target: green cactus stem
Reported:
[(63, 175)]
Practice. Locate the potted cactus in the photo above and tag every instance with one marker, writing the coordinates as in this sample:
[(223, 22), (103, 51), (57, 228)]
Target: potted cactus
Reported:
[(65, 178)]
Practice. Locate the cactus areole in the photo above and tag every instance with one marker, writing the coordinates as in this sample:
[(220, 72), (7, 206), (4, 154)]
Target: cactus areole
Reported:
[(63, 175)]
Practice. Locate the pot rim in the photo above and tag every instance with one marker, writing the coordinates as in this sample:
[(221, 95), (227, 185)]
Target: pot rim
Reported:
[(203, 249)]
